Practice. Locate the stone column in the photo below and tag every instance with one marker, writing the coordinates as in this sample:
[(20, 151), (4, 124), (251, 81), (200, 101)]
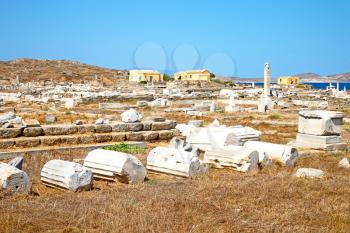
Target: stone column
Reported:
[(265, 101), (267, 80)]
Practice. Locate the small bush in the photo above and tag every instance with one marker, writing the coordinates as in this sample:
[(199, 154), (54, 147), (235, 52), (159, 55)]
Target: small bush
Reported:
[(130, 149), (275, 117)]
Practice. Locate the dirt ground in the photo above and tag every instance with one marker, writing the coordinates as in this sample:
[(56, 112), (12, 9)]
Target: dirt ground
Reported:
[(268, 200)]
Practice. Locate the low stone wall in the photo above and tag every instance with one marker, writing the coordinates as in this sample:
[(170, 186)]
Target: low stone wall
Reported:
[(52, 135), (54, 130), (27, 142)]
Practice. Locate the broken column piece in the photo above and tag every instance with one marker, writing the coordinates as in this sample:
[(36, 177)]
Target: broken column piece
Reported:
[(176, 162), (16, 162), (14, 180), (112, 165), (67, 175), (218, 137), (241, 159), (282, 153)]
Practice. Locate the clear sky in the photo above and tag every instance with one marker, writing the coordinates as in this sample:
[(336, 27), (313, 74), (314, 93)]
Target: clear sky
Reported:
[(228, 37)]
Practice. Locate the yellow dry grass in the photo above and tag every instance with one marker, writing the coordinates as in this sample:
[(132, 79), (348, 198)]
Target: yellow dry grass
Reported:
[(268, 200)]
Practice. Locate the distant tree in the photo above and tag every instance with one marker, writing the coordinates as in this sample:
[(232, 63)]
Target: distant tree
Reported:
[(212, 75), (166, 77)]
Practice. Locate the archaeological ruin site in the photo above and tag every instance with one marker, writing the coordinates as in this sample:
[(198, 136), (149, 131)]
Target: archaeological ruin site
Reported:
[(106, 152)]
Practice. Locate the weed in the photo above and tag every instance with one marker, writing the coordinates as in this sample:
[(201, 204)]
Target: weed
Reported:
[(125, 148)]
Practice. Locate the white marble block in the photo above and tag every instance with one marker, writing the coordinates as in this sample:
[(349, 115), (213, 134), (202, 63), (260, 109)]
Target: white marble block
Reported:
[(112, 165), (319, 122), (131, 116), (282, 153), (175, 162), (70, 103), (13, 179), (240, 159), (320, 142), (67, 175), (210, 138), (344, 163), (309, 172)]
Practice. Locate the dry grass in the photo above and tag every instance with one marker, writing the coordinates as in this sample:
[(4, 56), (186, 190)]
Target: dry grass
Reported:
[(268, 200)]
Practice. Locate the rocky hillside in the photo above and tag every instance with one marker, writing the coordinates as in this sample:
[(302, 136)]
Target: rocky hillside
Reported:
[(56, 71), (312, 77)]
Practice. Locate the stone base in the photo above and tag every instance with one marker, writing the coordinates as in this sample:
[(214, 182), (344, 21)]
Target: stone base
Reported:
[(265, 103), (329, 143), (230, 108)]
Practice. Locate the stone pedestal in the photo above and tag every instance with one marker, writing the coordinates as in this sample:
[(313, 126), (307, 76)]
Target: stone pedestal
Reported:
[(320, 130), (265, 103), (320, 142)]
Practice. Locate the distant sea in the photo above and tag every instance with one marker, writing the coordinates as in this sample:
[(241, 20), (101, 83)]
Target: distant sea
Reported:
[(317, 85)]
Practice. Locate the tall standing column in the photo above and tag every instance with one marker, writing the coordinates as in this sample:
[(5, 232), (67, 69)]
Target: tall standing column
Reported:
[(267, 80)]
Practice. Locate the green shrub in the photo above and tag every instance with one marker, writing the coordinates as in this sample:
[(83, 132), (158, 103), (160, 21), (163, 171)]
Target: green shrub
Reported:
[(275, 116), (125, 148)]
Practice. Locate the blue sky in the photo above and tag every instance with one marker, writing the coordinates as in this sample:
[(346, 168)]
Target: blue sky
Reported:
[(228, 37)]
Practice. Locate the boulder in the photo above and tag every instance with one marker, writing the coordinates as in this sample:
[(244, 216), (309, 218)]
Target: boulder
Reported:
[(131, 116), (309, 172), (112, 165), (66, 175), (14, 179), (344, 163)]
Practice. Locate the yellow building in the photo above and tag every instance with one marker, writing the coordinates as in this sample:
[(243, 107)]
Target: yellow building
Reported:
[(193, 75), (145, 76), (288, 80)]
